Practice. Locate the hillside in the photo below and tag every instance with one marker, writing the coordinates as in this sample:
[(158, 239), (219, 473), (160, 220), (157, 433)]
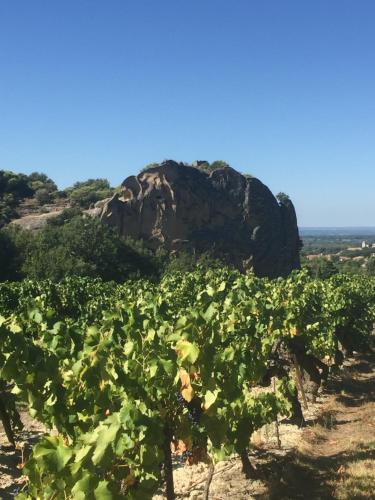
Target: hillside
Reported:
[(30, 200), (180, 209)]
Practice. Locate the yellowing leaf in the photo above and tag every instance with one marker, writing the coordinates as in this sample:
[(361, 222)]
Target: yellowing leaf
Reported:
[(293, 331), (194, 372), (188, 393), (184, 378), (130, 479)]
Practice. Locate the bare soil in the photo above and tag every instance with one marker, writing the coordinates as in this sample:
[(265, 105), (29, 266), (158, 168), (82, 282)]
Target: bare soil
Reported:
[(333, 457), (11, 479)]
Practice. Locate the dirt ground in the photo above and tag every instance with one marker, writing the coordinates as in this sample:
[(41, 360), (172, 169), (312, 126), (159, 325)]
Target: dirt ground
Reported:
[(11, 479), (333, 457)]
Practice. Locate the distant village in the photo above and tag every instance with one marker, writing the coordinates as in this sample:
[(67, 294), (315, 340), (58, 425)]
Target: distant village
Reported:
[(360, 254)]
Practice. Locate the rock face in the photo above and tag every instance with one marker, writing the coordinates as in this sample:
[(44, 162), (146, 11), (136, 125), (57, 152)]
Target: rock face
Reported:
[(232, 216)]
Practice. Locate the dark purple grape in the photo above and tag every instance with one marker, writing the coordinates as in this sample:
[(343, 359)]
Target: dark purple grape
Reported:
[(194, 410), (180, 399), (185, 455)]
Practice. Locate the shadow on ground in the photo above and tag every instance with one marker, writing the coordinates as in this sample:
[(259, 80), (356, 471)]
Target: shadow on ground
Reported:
[(336, 439)]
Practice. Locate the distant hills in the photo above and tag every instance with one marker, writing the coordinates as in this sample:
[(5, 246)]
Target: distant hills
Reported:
[(337, 231)]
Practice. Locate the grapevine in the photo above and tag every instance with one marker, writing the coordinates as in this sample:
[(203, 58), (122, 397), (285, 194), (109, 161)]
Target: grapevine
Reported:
[(120, 371)]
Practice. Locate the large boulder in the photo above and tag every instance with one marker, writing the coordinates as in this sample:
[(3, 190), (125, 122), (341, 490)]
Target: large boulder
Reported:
[(233, 216)]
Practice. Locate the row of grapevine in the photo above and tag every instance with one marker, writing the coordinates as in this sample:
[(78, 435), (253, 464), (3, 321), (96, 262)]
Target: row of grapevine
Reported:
[(119, 372)]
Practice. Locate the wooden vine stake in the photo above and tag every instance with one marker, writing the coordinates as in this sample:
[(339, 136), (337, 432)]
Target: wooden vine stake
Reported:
[(247, 468), (6, 423), (168, 468), (277, 420), (211, 470), (299, 381)]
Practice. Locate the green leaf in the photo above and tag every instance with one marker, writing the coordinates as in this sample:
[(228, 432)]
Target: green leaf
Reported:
[(210, 398), (14, 327), (102, 492), (151, 335), (36, 316), (153, 368), (210, 312), (82, 453), (106, 437), (187, 350), (83, 487), (123, 443), (128, 348), (10, 369), (52, 453), (168, 366)]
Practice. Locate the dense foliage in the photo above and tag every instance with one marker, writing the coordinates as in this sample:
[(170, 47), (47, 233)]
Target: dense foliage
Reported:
[(73, 244), (210, 167), (321, 267), (88, 192), (101, 364), (77, 246)]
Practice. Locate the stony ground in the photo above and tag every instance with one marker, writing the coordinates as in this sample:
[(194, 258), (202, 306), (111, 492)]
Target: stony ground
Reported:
[(11, 479), (333, 457)]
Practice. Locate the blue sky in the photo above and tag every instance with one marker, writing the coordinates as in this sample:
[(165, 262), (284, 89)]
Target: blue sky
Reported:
[(284, 90)]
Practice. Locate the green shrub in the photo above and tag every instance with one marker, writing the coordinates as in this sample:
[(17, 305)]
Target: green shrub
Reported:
[(86, 193)]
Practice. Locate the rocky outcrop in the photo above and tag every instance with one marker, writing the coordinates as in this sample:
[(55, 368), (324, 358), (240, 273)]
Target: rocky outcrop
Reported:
[(181, 207), (35, 222)]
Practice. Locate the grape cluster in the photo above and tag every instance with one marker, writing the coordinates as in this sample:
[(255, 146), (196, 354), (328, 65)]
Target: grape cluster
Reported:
[(194, 408), (180, 399), (186, 455)]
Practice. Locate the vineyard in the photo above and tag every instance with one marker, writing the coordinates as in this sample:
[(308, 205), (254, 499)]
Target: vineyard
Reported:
[(129, 378)]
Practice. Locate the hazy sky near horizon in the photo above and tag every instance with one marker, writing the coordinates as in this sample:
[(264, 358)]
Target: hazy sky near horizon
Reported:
[(284, 90)]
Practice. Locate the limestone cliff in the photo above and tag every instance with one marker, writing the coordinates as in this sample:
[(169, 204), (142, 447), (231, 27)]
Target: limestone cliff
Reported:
[(230, 215)]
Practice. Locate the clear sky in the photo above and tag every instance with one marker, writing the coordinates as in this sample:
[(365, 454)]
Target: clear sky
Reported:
[(281, 89)]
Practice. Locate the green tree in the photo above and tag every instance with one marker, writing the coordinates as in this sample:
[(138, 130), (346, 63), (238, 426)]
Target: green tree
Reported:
[(43, 196), (15, 244), (38, 180), (322, 268), (8, 254), (218, 164), (65, 216), (16, 187), (210, 167), (84, 246), (86, 193), (370, 266), (16, 184), (282, 198), (351, 267)]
